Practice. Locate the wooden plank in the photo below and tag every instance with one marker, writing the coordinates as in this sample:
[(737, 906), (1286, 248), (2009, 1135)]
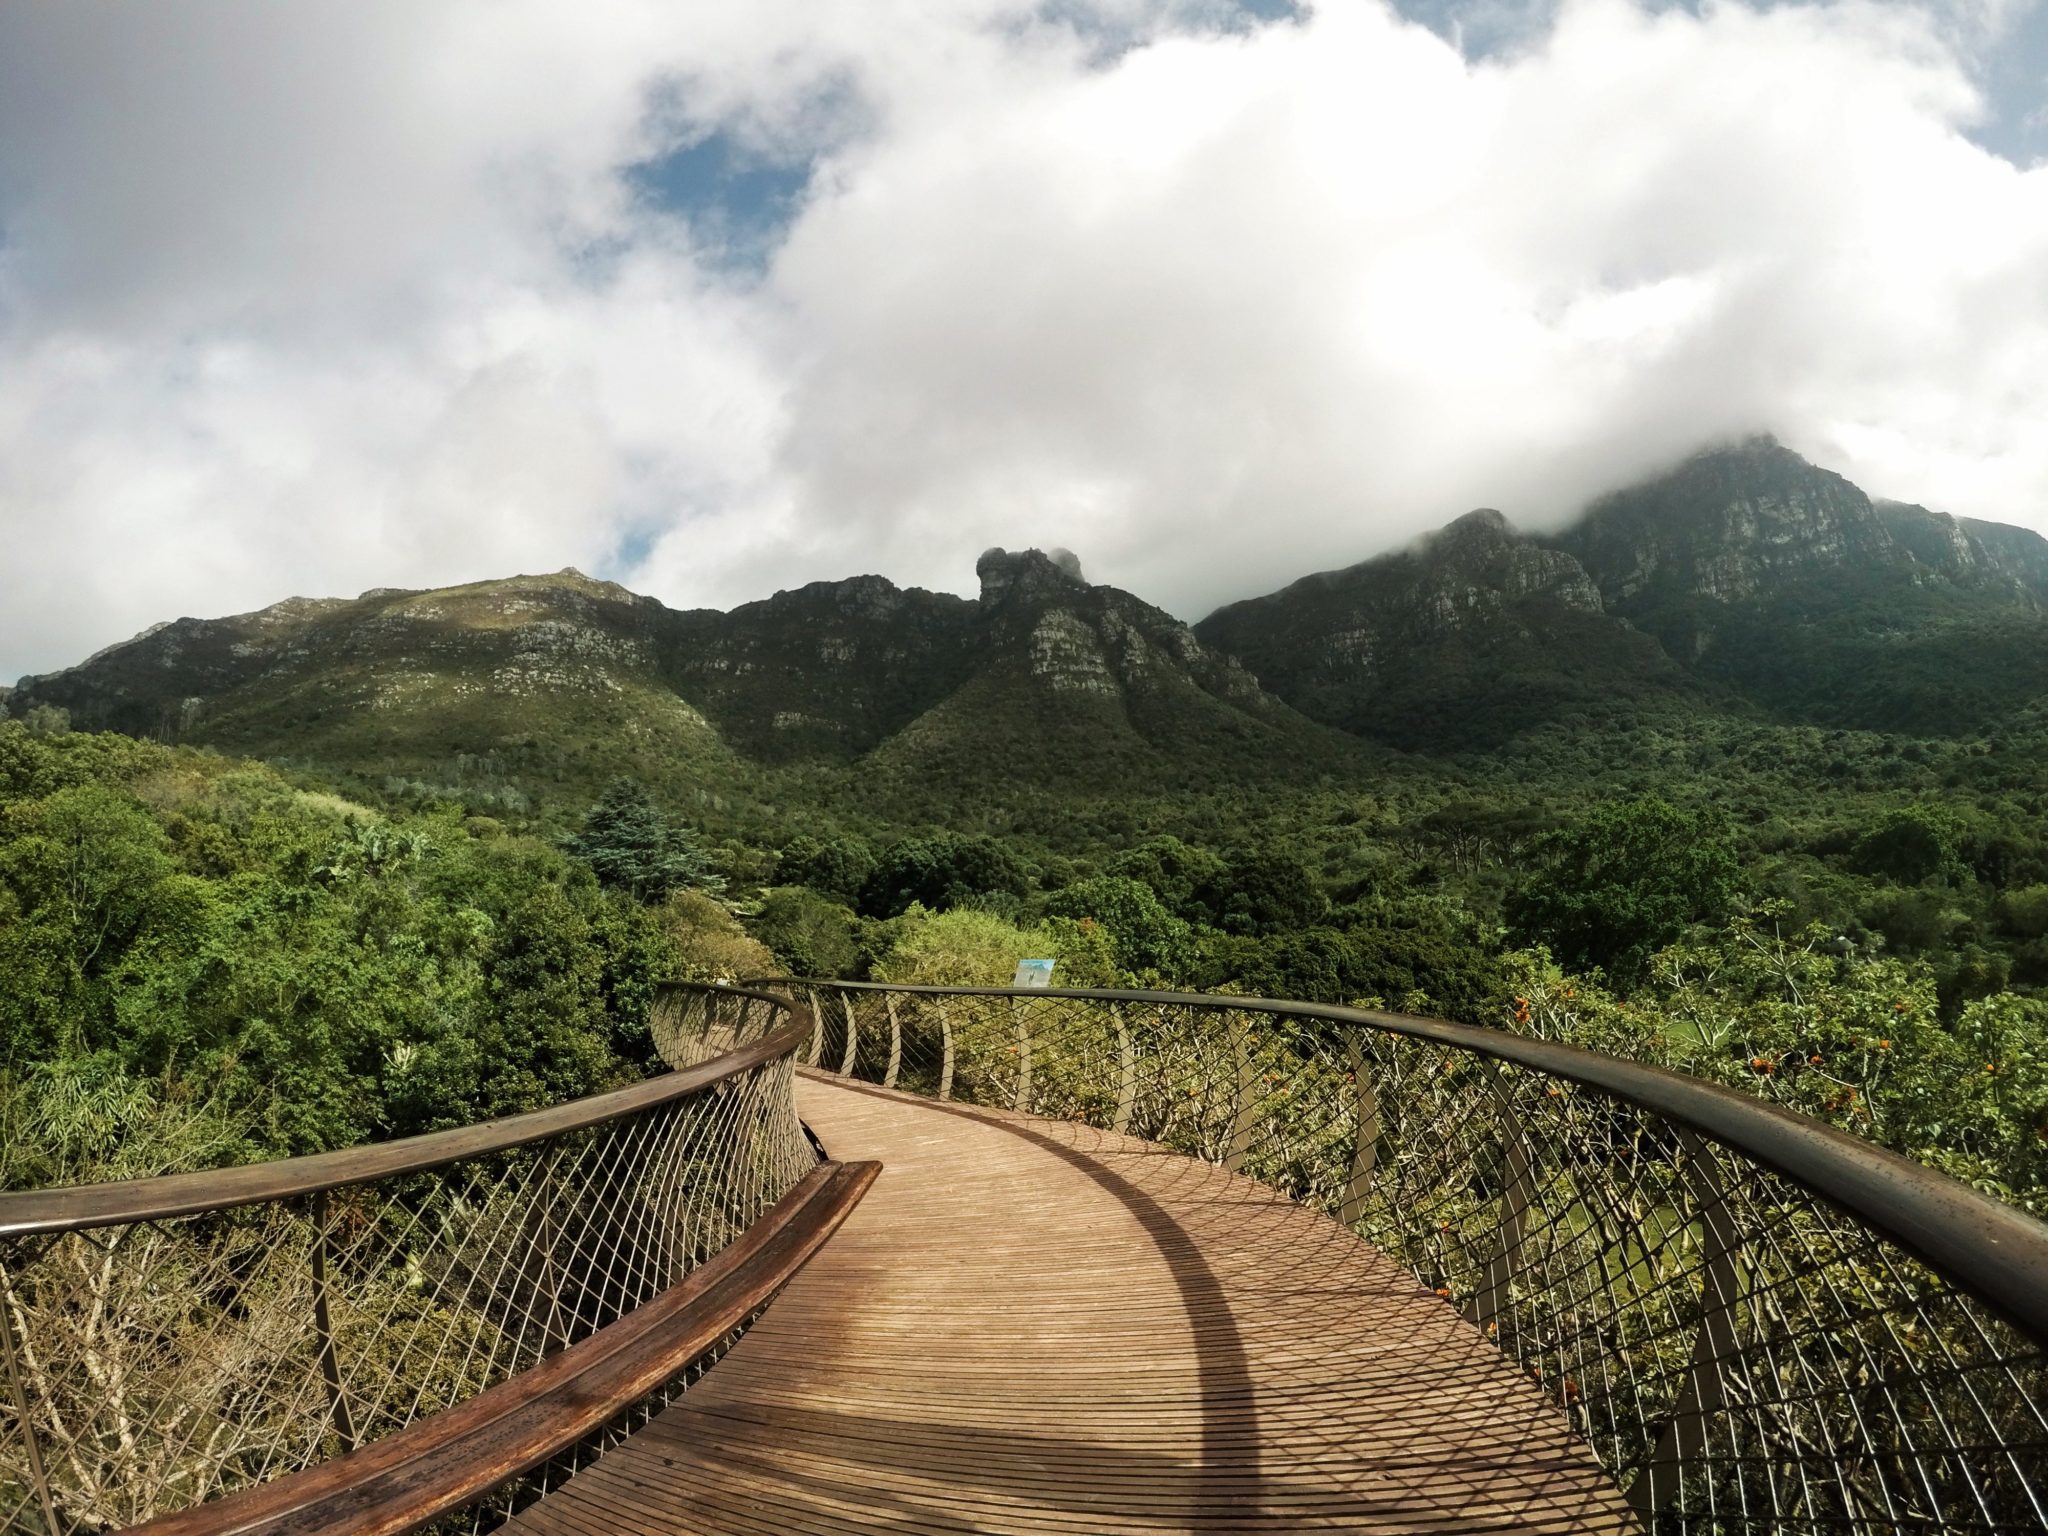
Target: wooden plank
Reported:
[(1035, 1326), (445, 1460)]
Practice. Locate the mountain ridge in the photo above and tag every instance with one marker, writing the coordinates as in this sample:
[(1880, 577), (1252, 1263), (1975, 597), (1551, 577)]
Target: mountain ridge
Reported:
[(1745, 579)]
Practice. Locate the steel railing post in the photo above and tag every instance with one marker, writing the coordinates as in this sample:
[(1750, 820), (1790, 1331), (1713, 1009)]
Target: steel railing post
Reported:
[(895, 1044), (1365, 1145), (1019, 1014), (323, 1327), (1490, 1304), (1126, 1073), (1685, 1435), (945, 1051), (1245, 1105), (22, 1417), (852, 1035)]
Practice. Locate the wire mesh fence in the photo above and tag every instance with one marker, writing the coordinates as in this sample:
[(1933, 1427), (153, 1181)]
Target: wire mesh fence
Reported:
[(1756, 1323), (168, 1341)]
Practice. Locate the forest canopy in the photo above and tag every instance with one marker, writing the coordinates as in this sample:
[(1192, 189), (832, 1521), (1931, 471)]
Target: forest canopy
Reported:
[(272, 962)]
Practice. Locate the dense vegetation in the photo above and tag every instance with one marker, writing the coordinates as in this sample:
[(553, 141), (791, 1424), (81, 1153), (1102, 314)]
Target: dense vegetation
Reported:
[(204, 936), (279, 962)]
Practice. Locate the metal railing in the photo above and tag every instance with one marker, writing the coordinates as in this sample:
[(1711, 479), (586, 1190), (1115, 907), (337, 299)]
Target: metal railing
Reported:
[(167, 1341), (1756, 1322)]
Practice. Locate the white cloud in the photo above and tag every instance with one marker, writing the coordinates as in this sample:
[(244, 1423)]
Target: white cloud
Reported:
[(321, 297)]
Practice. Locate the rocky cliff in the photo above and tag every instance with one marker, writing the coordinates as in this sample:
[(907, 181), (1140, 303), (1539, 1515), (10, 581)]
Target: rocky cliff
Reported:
[(1743, 578), (1041, 670), (1474, 634)]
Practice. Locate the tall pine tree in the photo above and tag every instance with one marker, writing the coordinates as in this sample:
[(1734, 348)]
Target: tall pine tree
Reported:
[(633, 847)]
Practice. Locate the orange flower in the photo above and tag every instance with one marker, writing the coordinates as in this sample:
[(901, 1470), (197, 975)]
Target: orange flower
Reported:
[(1884, 1045), (1443, 1290), (1814, 1059)]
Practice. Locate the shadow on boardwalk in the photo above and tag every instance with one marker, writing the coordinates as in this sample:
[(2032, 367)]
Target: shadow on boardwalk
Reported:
[(1036, 1326)]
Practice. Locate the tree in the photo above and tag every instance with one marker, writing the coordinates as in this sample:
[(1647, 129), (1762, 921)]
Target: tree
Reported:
[(1172, 869), (632, 847), (1262, 890), (1148, 941), (1917, 843), (941, 871), (1623, 882), (837, 868), (969, 948), (809, 935)]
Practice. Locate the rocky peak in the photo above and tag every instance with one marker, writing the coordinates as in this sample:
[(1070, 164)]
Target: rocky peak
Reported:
[(1482, 528), (1729, 524), (1982, 556), (1029, 574)]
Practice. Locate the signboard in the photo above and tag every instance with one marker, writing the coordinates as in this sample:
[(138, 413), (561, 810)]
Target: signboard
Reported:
[(1033, 973)]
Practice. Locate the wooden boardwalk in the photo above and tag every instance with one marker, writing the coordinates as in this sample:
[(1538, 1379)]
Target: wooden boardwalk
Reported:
[(1034, 1326)]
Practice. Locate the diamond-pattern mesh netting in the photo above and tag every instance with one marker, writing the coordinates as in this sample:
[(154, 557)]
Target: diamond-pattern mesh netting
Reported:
[(152, 1364), (1741, 1354)]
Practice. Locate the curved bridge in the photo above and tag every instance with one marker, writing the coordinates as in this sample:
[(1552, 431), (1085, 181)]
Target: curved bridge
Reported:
[(1129, 1261)]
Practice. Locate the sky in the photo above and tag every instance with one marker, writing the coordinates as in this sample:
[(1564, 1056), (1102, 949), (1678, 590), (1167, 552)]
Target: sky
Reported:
[(718, 299)]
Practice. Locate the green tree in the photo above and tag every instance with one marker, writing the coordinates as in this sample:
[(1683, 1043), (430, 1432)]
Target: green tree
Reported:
[(88, 875), (1148, 941), (971, 948), (705, 942), (1262, 890), (1911, 845), (810, 935), (1173, 869), (837, 867), (942, 871), (1610, 890), (630, 845)]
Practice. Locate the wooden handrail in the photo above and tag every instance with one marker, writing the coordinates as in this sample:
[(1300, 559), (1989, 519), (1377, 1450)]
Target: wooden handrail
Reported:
[(442, 1462), (72, 1207)]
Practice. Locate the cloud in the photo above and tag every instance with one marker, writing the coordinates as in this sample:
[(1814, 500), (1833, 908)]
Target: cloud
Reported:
[(316, 298)]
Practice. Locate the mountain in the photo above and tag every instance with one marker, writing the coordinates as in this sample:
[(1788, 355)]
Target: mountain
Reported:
[(828, 670), (1786, 584), (1464, 640), (561, 678), (528, 679), (1743, 581), (1077, 684), (1996, 558), (1745, 578)]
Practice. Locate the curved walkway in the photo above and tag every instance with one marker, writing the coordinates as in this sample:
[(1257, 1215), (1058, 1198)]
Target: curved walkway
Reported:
[(1033, 1326)]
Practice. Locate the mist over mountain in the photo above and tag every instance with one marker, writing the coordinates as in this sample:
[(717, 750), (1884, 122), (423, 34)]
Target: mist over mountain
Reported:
[(1745, 581)]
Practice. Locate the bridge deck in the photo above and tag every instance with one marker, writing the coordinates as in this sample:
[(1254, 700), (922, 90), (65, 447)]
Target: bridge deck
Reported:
[(1029, 1325)]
